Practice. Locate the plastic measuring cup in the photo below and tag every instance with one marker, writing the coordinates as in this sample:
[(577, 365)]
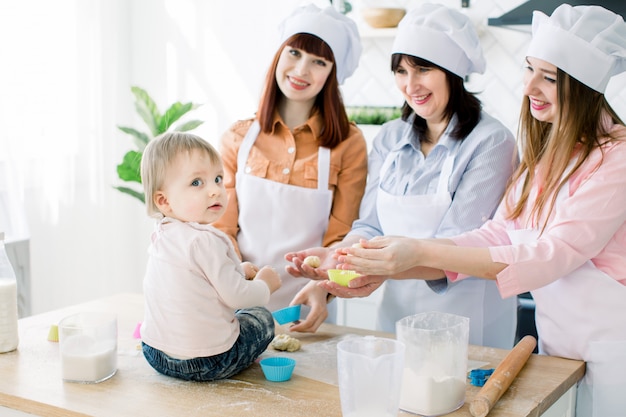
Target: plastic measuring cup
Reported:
[(370, 374)]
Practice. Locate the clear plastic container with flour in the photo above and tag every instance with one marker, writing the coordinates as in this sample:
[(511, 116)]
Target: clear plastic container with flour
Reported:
[(370, 373), (8, 302), (88, 345), (435, 364)]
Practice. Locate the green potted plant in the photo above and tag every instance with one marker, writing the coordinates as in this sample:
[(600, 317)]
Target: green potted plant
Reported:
[(369, 119), (157, 124), (372, 115)]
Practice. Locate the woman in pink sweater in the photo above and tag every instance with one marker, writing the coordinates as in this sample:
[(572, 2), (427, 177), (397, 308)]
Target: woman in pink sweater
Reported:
[(560, 232)]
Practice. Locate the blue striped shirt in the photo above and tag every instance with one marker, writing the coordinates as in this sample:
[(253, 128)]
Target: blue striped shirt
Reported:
[(484, 162)]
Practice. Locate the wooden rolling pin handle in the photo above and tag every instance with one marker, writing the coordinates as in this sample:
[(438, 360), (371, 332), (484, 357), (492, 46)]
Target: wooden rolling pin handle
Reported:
[(502, 377)]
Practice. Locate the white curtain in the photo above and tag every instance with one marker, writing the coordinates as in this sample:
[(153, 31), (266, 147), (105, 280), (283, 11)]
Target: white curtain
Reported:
[(64, 86), (43, 111)]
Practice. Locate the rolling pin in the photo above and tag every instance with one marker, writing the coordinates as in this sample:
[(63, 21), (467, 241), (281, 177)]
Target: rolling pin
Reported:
[(502, 377)]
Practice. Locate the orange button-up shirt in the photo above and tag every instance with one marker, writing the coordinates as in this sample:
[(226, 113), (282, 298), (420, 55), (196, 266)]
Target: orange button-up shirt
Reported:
[(291, 158)]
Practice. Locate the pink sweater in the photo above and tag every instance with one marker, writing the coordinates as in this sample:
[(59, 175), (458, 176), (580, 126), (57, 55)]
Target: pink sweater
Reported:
[(589, 225)]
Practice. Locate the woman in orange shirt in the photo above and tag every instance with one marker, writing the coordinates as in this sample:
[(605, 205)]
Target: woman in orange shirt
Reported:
[(296, 172)]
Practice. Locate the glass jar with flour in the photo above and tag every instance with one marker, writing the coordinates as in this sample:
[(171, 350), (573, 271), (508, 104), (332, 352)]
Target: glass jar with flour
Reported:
[(8, 302), (435, 363)]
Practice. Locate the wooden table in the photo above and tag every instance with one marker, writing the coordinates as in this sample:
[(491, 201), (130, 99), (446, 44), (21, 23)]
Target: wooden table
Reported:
[(30, 378)]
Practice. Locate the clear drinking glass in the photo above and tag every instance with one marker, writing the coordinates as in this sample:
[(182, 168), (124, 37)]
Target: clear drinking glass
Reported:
[(88, 345)]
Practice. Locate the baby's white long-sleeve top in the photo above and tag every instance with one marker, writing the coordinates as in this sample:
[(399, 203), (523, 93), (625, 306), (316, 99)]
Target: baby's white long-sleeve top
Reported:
[(193, 284)]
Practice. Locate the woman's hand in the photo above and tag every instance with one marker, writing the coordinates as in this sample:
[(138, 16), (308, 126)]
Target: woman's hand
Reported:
[(315, 297), (299, 269), (361, 286), (382, 255)]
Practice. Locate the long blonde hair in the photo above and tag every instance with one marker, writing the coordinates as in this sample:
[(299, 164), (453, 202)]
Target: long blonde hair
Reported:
[(548, 148)]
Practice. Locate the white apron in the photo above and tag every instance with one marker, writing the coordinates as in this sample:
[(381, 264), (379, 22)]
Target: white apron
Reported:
[(582, 315), (492, 319), (276, 218)]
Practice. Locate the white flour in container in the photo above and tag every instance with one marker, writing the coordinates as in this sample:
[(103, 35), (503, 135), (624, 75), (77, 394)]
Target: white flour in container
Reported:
[(430, 396)]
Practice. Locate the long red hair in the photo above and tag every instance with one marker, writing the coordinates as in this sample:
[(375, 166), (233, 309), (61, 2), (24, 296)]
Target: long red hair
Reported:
[(328, 102)]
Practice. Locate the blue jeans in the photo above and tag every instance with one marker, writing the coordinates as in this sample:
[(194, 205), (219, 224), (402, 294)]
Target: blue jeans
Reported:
[(256, 332)]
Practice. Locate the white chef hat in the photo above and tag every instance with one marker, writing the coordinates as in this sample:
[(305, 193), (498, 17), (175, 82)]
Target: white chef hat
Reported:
[(587, 42), (442, 36), (337, 30)]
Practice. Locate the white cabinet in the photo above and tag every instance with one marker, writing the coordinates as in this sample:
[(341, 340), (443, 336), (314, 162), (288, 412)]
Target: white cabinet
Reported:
[(564, 406), (358, 312)]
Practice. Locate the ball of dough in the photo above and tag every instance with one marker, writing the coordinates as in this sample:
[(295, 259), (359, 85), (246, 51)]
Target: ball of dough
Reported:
[(285, 342), (313, 261), (357, 245)]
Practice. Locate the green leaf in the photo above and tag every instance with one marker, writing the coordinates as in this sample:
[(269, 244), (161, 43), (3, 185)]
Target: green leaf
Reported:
[(175, 112), (190, 125), (139, 138), (129, 169), (147, 109), (139, 195)]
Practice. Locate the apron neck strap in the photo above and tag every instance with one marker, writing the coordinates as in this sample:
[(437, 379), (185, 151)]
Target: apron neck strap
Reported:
[(446, 173), (323, 168), (246, 145)]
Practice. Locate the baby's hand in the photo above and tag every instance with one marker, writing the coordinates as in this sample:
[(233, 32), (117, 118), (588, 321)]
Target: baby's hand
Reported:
[(269, 275), (249, 269)]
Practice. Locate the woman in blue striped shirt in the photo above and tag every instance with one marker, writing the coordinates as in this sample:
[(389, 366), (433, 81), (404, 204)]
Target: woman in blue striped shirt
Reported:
[(439, 170)]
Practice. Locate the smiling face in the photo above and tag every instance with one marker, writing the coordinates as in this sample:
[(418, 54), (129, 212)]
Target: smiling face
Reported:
[(540, 87), (425, 90), (300, 75), (193, 190)]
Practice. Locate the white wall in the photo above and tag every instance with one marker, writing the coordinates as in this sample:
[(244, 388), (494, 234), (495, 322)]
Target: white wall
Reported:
[(87, 239)]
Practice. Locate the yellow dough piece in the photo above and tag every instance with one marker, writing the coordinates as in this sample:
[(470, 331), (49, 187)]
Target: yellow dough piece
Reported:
[(313, 261), (285, 342)]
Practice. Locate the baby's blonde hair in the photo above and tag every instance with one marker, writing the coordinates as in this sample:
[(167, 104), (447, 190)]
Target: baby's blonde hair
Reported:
[(160, 153)]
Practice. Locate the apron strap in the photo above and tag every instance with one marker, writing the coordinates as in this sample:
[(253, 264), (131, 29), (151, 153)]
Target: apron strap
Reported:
[(446, 172), (389, 160), (246, 145), (323, 168)]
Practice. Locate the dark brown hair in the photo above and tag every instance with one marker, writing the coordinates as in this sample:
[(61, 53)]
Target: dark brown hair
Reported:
[(464, 104)]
